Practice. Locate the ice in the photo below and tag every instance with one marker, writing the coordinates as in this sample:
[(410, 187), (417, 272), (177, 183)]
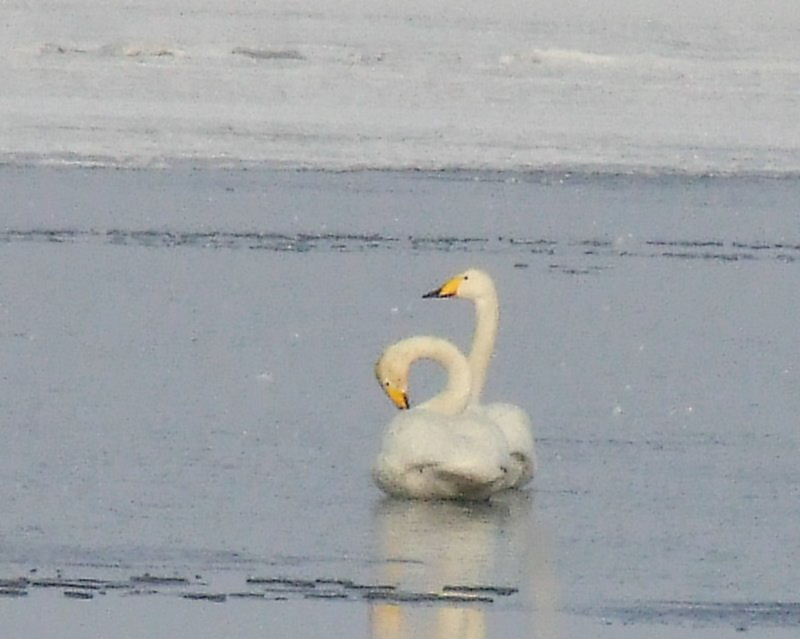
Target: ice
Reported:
[(629, 86)]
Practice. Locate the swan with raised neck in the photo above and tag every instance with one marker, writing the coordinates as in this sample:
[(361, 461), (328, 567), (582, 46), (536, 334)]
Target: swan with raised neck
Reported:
[(476, 285)]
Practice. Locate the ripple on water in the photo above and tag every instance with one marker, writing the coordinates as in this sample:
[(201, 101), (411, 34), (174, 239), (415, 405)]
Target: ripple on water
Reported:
[(270, 588), (742, 615), (575, 257)]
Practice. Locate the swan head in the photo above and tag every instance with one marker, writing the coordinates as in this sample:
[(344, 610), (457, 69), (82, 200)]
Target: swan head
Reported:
[(472, 284), (392, 375)]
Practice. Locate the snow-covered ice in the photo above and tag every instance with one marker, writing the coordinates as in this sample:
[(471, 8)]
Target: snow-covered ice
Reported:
[(624, 85)]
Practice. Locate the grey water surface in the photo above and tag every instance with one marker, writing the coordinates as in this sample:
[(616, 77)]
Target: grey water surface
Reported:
[(189, 413)]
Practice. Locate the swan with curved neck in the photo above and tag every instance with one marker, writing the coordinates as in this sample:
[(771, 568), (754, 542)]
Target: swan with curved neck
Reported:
[(393, 368), (476, 285), (437, 449)]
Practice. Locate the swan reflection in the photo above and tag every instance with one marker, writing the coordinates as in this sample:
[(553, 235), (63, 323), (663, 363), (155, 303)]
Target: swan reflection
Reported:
[(444, 547)]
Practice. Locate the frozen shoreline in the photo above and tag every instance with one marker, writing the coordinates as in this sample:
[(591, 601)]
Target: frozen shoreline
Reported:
[(457, 171), (631, 85)]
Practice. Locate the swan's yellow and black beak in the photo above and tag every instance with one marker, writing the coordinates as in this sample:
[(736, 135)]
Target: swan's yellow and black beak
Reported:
[(397, 396), (448, 289)]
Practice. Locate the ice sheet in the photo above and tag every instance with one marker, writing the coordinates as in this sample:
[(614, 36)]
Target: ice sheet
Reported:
[(626, 86)]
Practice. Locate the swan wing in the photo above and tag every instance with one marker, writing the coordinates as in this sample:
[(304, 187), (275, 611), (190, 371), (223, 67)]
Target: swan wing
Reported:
[(516, 427)]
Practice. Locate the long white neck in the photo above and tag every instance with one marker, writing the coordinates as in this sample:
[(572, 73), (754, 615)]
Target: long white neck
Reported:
[(453, 399), (487, 318)]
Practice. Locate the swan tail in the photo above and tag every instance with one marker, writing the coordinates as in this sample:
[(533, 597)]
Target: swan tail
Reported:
[(524, 466), (472, 478), (468, 485)]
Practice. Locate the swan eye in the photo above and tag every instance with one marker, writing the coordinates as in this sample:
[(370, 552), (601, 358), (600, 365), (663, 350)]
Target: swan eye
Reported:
[(466, 277)]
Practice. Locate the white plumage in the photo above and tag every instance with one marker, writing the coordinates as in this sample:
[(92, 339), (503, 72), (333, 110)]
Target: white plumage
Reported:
[(438, 449), (476, 285)]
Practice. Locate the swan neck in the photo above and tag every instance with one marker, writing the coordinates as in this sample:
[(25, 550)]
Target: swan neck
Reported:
[(487, 318)]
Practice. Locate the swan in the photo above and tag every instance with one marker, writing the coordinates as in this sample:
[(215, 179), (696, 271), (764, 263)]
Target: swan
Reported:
[(437, 450), (476, 285)]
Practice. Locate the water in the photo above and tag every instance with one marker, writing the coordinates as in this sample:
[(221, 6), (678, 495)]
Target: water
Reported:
[(188, 393), (630, 86)]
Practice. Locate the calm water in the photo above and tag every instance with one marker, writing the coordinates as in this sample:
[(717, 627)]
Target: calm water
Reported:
[(187, 393)]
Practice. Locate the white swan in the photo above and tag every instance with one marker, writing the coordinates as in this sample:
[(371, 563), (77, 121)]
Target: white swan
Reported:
[(437, 450), (476, 285)]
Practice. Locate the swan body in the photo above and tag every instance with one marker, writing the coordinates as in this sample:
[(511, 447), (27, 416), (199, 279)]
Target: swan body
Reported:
[(437, 450), (476, 285)]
